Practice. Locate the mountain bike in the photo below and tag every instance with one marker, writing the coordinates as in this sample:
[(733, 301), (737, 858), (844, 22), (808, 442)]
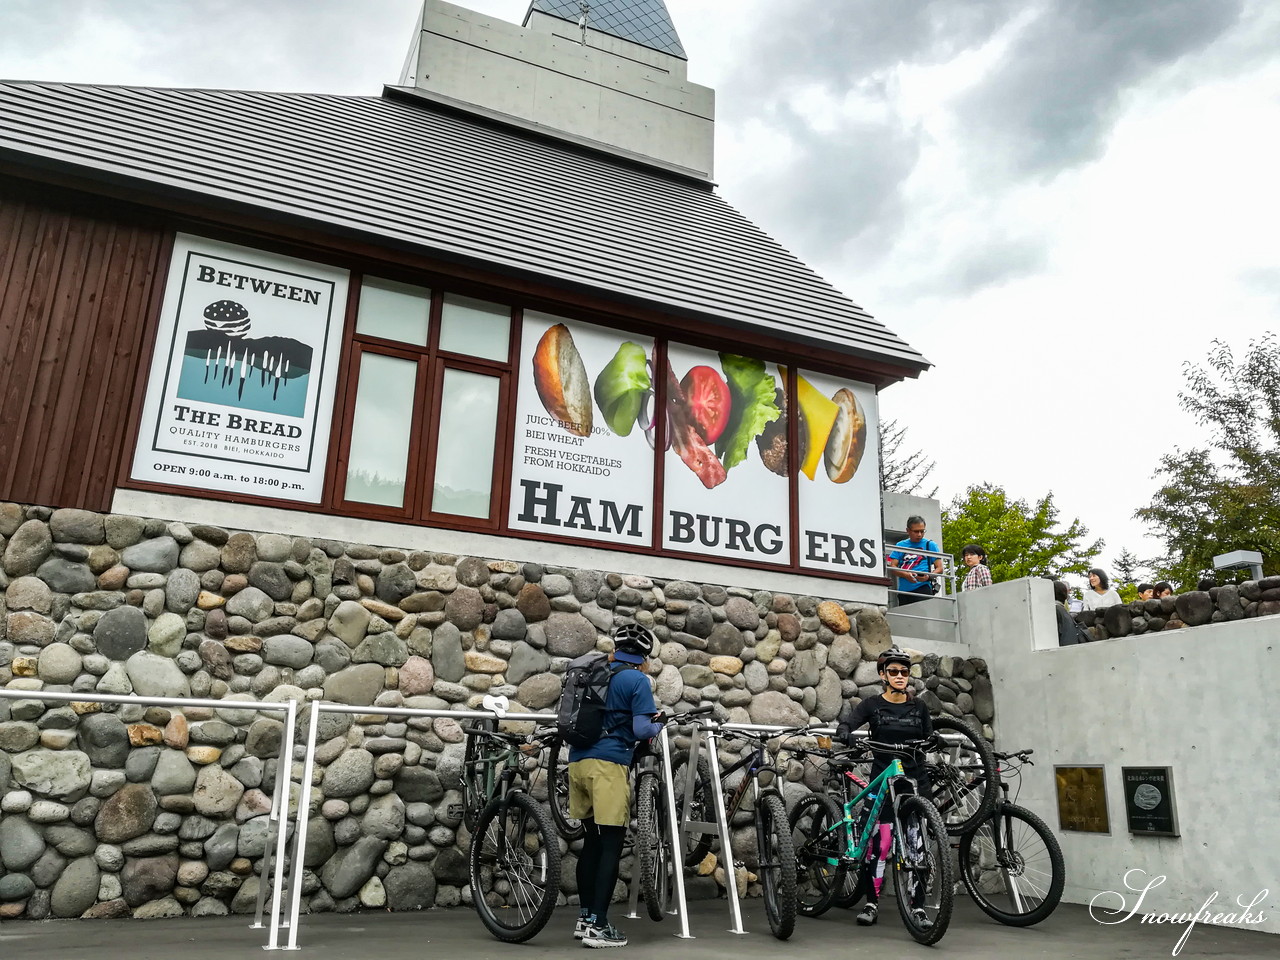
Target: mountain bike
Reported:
[(777, 864), (514, 860), (652, 837), (1011, 862), (832, 841), (557, 761), (963, 783)]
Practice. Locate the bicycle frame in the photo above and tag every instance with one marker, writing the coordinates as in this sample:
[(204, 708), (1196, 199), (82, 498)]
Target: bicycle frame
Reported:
[(756, 763), (880, 788)]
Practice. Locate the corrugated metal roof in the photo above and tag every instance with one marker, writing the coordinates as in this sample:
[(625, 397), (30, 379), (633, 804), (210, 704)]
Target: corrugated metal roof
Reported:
[(405, 173), (645, 22)]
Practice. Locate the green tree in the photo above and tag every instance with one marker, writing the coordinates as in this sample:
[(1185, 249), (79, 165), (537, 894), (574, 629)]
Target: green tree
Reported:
[(1022, 539), (1225, 496), (902, 472), (1126, 575)]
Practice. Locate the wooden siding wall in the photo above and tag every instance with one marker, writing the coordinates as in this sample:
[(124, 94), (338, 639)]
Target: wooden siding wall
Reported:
[(76, 290)]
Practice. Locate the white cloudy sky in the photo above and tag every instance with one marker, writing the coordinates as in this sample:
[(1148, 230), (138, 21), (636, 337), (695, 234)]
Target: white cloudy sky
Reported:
[(1058, 201)]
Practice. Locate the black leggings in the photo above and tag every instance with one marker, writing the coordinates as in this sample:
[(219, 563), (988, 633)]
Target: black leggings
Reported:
[(598, 866)]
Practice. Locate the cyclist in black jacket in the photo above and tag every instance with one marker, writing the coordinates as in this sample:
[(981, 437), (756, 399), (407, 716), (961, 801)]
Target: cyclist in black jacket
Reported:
[(894, 716)]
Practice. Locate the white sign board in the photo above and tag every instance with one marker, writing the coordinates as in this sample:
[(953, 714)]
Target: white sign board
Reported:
[(240, 392), (582, 464), (840, 511), (725, 491)]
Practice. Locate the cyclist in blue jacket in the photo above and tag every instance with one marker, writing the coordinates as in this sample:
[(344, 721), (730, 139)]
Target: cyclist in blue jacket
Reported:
[(599, 792)]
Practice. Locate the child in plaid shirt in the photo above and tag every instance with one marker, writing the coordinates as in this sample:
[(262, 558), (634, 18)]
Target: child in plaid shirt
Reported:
[(979, 575)]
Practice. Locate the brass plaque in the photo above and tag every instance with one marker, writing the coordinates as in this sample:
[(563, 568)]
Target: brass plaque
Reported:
[(1082, 799)]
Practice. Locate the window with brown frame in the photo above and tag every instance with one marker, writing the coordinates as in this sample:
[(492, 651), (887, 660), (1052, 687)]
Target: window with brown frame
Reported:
[(428, 380)]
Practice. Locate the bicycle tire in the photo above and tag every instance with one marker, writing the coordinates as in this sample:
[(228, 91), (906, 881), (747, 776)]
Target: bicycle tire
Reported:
[(939, 881), (514, 846), (815, 844), (964, 784), (777, 865), (651, 841), (702, 810), (558, 793), (997, 846), (474, 796)]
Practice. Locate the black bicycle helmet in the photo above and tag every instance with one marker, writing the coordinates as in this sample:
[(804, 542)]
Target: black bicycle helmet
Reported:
[(893, 655), (631, 640)]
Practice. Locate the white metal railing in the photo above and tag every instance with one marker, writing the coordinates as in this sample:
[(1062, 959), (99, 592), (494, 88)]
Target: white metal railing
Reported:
[(279, 817)]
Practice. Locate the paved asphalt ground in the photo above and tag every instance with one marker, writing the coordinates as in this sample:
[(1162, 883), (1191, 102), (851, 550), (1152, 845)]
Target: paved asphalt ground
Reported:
[(458, 935)]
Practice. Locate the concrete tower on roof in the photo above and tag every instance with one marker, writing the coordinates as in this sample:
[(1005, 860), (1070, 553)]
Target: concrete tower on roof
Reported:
[(609, 74)]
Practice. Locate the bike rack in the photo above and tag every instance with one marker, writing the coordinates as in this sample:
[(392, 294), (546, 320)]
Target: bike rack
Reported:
[(279, 815), (675, 829), (497, 708)]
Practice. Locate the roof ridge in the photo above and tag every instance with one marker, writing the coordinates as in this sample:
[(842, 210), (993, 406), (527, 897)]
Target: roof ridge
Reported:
[(147, 87)]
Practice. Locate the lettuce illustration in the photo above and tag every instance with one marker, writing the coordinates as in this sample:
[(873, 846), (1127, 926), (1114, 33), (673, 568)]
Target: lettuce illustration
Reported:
[(753, 392), (621, 387)]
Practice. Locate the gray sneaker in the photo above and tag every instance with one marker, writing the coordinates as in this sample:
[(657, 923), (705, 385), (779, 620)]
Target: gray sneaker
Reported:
[(581, 927), (604, 935), (868, 916)]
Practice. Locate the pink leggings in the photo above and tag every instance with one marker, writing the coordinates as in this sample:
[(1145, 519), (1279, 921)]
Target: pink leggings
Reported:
[(882, 856)]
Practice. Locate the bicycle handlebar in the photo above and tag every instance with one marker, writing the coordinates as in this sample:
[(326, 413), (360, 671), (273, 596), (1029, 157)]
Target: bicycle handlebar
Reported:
[(699, 711)]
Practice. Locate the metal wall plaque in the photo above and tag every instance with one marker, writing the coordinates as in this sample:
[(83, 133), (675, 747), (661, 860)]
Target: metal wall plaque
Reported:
[(1149, 802), (1082, 799)]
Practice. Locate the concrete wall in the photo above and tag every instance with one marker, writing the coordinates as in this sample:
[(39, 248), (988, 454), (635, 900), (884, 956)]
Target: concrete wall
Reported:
[(610, 92), (1199, 700), (899, 506)]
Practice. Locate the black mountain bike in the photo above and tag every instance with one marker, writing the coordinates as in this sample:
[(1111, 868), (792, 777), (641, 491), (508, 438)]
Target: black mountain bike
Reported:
[(777, 862), (652, 838), (514, 860), (1011, 862)]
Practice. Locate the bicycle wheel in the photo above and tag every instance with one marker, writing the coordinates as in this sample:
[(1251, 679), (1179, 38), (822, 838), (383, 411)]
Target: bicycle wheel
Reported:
[(777, 865), (514, 867), (652, 845), (701, 810), (558, 792), (922, 876), (1012, 866), (963, 780), (818, 841), (474, 790)]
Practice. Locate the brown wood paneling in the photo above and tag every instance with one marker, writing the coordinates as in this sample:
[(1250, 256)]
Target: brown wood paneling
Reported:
[(76, 291)]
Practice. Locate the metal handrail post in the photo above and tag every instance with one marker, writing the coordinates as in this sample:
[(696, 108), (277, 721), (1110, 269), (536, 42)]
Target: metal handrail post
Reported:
[(726, 845), (300, 826), (271, 842), (673, 825), (284, 783)]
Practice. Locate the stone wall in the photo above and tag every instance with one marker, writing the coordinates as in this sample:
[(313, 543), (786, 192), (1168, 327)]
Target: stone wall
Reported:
[(149, 812), (1252, 598)]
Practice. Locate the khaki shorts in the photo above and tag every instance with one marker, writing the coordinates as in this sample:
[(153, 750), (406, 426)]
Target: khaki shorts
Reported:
[(599, 789)]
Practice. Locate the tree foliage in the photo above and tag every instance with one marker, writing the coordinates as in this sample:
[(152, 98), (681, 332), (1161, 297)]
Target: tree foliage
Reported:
[(1022, 539), (902, 472), (1126, 576), (1225, 496)]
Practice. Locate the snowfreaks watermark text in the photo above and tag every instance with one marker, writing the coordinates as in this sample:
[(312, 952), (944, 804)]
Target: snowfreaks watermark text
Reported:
[(1245, 914)]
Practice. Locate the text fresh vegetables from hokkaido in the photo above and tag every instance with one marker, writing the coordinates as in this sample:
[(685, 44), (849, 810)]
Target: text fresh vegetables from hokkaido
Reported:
[(621, 386), (753, 394)]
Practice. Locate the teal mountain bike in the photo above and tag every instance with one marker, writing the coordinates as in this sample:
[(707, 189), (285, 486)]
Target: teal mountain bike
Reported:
[(833, 842)]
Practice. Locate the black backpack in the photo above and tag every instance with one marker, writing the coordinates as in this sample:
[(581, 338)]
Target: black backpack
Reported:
[(580, 716)]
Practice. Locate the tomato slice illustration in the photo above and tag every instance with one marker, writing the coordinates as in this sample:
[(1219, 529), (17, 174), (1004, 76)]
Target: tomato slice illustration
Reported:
[(708, 397)]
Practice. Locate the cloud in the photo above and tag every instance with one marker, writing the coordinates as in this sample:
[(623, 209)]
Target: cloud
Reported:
[(1049, 104), (295, 45), (886, 139)]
